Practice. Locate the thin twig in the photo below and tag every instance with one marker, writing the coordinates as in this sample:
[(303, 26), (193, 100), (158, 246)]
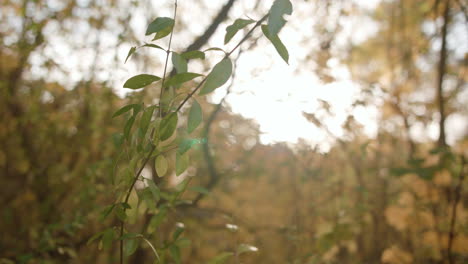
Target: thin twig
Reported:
[(168, 51), (226, 56)]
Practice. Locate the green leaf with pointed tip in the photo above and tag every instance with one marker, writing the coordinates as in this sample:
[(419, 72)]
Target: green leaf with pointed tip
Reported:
[(182, 162), (221, 258), (130, 52), (177, 232), (195, 117), (159, 24), (130, 246), (218, 76), (194, 54), (175, 253), (140, 81), (107, 211), (180, 64), (118, 139), (95, 237), (128, 127), (181, 78), (168, 126), (279, 46), (161, 165), (234, 28), (275, 18), (146, 119), (107, 238), (124, 109), (161, 34), (149, 45), (187, 144), (126, 205), (157, 219)]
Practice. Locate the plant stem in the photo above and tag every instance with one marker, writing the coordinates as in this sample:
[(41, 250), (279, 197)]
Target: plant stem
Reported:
[(153, 147), (167, 59)]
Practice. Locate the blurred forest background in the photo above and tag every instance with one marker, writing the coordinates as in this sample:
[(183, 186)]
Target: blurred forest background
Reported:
[(396, 196)]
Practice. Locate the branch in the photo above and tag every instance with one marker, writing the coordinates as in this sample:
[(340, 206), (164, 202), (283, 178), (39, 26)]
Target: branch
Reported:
[(203, 39), (153, 147), (441, 72), (226, 56)]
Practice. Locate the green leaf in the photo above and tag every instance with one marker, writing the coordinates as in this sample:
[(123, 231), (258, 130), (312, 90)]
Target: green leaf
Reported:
[(195, 117), (218, 76), (246, 248), (146, 119), (130, 52), (175, 253), (161, 165), (118, 139), (181, 78), (107, 211), (154, 189), (221, 258), (120, 212), (163, 33), (234, 28), (186, 144), (95, 237), (279, 46), (149, 45), (168, 126), (140, 81), (160, 24), (124, 109), (130, 246), (182, 162), (107, 238), (157, 219), (180, 64), (275, 18), (194, 54), (126, 205), (178, 231), (128, 127)]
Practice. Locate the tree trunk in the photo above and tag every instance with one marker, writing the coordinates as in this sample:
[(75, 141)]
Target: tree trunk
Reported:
[(441, 72)]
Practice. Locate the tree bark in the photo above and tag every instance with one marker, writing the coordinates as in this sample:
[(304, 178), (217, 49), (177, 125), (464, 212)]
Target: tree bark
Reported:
[(441, 72)]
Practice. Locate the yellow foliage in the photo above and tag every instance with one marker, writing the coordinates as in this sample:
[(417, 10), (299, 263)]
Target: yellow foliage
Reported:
[(430, 239), (397, 217), (395, 255), (417, 185), (406, 199), (460, 244), (442, 178), (425, 219), (330, 254)]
